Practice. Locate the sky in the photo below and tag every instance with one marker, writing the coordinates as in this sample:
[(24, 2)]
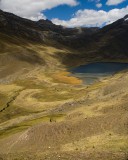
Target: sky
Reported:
[(69, 13)]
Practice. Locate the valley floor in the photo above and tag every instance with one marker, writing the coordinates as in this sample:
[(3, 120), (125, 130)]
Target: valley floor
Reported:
[(46, 116)]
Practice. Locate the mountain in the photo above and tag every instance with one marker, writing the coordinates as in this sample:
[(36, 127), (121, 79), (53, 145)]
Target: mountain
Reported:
[(45, 112), (109, 42), (25, 42), (37, 31)]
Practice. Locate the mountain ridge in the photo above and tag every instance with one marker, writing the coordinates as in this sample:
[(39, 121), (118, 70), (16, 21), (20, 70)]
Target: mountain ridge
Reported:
[(9, 20), (109, 42)]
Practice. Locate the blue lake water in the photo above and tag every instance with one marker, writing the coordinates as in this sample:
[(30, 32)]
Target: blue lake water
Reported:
[(93, 72)]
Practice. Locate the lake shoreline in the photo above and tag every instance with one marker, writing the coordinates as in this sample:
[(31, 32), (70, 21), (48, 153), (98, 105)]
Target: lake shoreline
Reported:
[(95, 72)]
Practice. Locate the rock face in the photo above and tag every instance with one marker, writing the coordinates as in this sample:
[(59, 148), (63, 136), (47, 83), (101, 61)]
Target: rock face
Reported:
[(14, 25), (3, 22), (110, 42), (113, 39)]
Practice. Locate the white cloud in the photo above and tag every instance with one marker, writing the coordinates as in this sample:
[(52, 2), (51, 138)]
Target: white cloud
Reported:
[(99, 5), (114, 2), (93, 18), (31, 9)]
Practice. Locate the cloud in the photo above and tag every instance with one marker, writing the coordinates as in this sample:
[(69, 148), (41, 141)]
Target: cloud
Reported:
[(99, 5), (92, 18), (31, 9), (114, 2)]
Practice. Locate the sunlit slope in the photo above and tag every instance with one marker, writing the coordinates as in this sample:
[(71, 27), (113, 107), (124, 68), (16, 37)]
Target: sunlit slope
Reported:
[(18, 56), (27, 72)]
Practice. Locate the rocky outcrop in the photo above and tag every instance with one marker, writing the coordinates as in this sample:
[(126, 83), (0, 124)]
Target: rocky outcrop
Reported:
[(14, 25)]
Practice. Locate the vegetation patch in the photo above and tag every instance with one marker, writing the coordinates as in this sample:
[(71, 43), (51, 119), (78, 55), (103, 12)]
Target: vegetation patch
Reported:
[(3, 100), (25, 125), (104, 142), (52, 96), (13, 112), (30, 84), (64, 77), (12, 130)]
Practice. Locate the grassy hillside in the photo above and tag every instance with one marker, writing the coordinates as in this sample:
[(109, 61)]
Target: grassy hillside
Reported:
[(46, 114), (59, 120)]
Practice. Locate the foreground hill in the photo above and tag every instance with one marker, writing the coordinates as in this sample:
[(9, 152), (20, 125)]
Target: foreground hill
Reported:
[(47, 114)]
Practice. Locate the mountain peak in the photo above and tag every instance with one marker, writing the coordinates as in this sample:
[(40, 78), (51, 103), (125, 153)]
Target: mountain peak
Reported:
[(126, 18), (47, 21)]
